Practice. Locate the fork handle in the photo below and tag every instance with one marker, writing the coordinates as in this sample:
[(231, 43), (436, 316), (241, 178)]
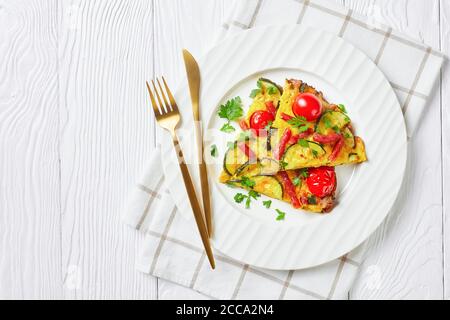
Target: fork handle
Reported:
[(195, 205)]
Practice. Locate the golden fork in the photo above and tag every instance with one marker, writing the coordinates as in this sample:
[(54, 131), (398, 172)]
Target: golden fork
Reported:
[(168, 117)]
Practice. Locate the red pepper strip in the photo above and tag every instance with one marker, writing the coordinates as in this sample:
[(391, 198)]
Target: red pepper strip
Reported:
[(247, 151), (294, 139), (271, 108), (330, 138), (337, 149), (285, 116), (302, 135), (290, 189), (243, 124), (279, 151)]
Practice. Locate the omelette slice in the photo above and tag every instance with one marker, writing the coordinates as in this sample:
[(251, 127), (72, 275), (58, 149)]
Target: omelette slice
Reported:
[(251, 159), (311, 132)]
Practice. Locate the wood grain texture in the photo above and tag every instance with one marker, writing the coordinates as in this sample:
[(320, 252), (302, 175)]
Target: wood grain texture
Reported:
[(405, 261), (75, 133), (30, 252), (445, 102), (105, 56)]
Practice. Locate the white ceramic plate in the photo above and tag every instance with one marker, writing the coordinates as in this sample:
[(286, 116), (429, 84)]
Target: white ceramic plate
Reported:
[(366, 191)]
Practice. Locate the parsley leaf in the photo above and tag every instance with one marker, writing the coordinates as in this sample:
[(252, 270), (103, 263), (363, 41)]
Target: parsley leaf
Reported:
[(269, 125), (315, 153), (347, 135), (283, 164), (247, 182), (304, 172), (304, 143), (251, 194), (267, 203), (336, 129), (227, 127), (281, 214), (239, 197), (272, 90), (297, 181), (327, 122), (214, 151), (297, 121), (312, 199), (231, 110), (342, 108), (254, 93)]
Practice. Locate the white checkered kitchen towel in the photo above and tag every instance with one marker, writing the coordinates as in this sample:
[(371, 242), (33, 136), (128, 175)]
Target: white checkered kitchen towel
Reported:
[(172, 249)]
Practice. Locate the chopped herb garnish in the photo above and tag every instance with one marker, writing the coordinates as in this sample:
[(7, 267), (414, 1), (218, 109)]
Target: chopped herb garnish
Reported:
[(272, 90), (312, 199), (327, 122), (342, 108), (214, 151), (254, 93), (281, 214), (299, 122), (247, 182), (267, 203), (251, 194), (227, 128), (336, 129), (239, 197), (304, 143), (269, 125), (347, 135), (283, 164), (315, 153), (304, 172), (231, 110), (297, 181)]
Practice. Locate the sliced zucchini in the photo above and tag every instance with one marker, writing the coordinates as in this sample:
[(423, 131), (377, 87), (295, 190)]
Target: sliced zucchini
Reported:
[(269, 166), (269, 83), (234, 159), (316, 149), (331, 120), (248, 170), (268, 186), (353, 157), (349, 138), (298, 155)]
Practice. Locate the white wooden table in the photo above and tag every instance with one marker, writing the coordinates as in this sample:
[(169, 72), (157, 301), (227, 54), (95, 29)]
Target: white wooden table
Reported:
[(76, 128)]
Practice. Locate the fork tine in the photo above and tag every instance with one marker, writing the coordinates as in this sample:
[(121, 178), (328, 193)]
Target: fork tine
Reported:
[(161, 105), (168, 106), (169, 94), (152, 98)]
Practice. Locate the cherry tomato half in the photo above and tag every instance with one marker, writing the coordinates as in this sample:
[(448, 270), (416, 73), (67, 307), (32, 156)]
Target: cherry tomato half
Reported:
[(321, 181), (307, 105), (260, 119)]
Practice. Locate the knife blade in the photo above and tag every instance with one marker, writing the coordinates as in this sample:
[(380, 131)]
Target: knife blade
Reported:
[(193, 75)]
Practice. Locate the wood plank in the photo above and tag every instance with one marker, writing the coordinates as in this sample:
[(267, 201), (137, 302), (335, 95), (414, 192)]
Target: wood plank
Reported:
[(107, 133), (445, 94), (192, 25), (405, 261), (30, 252)]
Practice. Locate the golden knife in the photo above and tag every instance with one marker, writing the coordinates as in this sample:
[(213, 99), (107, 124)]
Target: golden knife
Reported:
[(193, 75)]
